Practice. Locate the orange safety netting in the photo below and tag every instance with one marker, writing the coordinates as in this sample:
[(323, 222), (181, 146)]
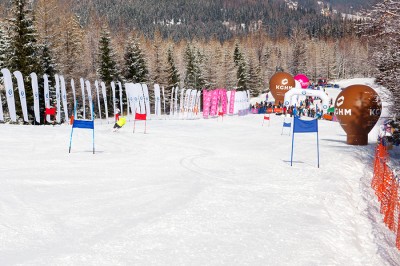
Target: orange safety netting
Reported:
[(386, 188)]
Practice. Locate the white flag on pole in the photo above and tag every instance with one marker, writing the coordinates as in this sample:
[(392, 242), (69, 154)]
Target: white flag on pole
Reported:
[(157, 100), (74, 95), (163, 96), (142, 102), (83, 97), (58, 116), (96, 84), (120, 97), (146, 99), (89, 92), (103, 90), (35, 90), (113, 97), (46, 95), (1, 110), (171, 104), (181, 101), (22, 94), (176, 100), (10, 93), (192, 100), (64, 98), (131, 91)]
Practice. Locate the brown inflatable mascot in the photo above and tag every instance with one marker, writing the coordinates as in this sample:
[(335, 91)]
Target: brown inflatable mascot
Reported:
[(358, 108), (279, 84)]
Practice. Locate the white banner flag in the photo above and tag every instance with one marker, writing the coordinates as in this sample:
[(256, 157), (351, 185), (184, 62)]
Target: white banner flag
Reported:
[(1, 110), (192, 100), (132, 98), (197, 105), (10, 93), (113, 97), (176, 100), (181, 102), (146, 99), (46, 95), (96, 84), (22, 94), (103, 90), (83, 97), (141, 109), (171, 104), (74, 95), (35, 90), (58, 116), (89, 93), (157, 100), (127, 101), (186, 100), (64, 99), (163, 96), (120, 97)]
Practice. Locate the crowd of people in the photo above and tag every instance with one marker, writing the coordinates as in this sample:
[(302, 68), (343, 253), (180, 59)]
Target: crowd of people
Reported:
[(306, 107)]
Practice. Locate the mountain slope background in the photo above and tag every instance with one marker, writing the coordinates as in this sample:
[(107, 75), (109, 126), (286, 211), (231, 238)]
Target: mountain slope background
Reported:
[(222, 19)]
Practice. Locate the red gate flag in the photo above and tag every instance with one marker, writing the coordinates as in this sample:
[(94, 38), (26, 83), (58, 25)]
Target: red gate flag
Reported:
[(266, 117), (140, 116)]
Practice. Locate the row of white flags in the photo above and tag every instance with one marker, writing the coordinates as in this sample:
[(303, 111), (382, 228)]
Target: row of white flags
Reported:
[(188, 104), (184, 103), (142, 105)]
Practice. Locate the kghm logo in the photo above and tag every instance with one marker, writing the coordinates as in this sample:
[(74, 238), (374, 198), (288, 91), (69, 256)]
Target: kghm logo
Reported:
[(340, 111), (303, 92), (340, 101), (10, 92), (285, 81), (375, 112), (22, 93)]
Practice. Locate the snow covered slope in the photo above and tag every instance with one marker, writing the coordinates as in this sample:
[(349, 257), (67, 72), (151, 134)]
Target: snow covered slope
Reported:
[(190, 192)]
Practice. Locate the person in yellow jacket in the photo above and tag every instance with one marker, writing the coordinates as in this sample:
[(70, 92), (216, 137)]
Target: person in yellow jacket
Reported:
[(120, 123)]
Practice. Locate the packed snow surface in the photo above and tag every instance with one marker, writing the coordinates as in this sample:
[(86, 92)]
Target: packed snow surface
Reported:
[(189, 192)]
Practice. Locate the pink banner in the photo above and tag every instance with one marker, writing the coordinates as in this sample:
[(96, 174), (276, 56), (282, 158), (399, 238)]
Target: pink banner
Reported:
[(206, 103), (232, 102), (223, 99), (214, 102)]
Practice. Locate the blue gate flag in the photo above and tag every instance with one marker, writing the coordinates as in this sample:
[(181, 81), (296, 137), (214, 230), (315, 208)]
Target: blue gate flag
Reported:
[(83, 124), (305, 126), (287, 124), (79, 123)]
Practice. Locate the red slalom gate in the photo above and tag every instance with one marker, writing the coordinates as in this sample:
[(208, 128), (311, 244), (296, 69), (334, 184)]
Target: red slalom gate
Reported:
[(386, 187)]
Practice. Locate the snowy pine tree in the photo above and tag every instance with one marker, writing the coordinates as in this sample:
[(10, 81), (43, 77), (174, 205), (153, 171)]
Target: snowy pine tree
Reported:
[(5, 46), (135, 69), (107, 68), (382, 28), (71, 48), (24, 48), (242, 76), (299, 62), (254, 80), (173, 77), (193, 76)]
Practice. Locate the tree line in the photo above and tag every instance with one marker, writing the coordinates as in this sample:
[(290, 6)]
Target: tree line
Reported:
[(33, 39)]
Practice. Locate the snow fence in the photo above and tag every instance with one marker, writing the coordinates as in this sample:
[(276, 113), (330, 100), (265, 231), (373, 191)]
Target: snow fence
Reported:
[(385, 183)]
